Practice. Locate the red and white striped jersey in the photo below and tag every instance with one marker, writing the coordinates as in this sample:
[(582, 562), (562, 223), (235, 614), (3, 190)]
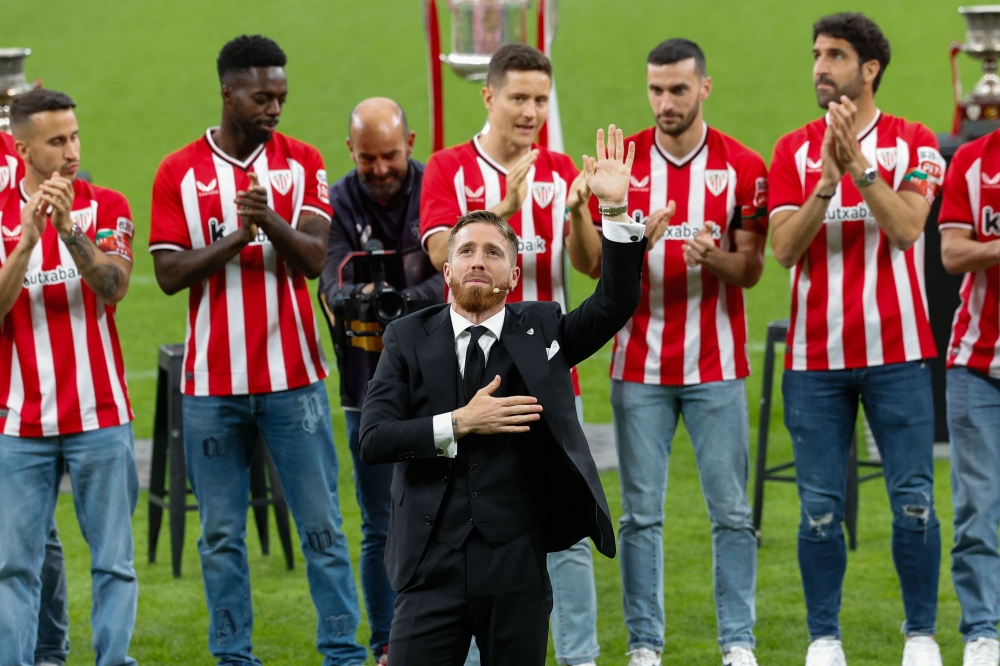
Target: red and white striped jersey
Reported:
[(63, 371), (11, 172), (464, 178), (250, 327), (857, 301), (690, 327), (972, 201)]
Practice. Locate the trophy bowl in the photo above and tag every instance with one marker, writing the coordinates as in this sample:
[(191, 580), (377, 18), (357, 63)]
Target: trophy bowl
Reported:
[(12, 81), (982, 41), (478, 29)]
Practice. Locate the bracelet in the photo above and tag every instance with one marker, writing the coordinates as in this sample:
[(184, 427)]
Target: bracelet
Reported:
[(824, 196), (608, 210)]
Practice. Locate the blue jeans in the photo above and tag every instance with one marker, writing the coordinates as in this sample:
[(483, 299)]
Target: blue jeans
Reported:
[(105, 491), (371, 486), (821, 409), (219, 437), (974, 425), (574, 601), (715, 415), (52, 645)]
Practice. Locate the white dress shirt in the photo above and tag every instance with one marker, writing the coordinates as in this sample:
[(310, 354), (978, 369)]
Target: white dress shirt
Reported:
[(445, 443)]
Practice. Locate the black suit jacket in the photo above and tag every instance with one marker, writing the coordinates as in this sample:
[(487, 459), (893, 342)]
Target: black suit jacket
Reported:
[(416, 379)]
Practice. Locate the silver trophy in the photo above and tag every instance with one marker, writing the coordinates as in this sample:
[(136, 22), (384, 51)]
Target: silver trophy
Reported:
[(479, 28), (12, 81), (979, 112)]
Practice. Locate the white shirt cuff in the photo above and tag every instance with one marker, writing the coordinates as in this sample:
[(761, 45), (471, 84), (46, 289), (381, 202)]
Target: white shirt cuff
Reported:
[(444, 436), (622, 232)]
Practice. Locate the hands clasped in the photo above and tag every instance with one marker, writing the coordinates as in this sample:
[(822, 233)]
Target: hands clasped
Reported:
[(252, 209), (486, 415)]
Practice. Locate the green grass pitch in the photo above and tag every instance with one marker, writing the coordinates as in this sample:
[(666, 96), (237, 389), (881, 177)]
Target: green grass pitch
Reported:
[(143, 76)]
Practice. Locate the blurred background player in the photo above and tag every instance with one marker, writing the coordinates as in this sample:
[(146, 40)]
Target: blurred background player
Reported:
[(849, 196), (970, 244), (240, 217), (532, 188), (684, 352), (379, 199), (66, 260)]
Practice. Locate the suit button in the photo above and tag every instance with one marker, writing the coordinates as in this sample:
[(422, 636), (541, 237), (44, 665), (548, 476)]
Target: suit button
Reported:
[(439, 451), (428, 520), (634, 238), (470, 521), (473, 466), (475, 495)]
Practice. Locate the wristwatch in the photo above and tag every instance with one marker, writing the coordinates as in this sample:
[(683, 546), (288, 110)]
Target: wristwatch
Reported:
[(868, 177), (75, 234), (611, 211)]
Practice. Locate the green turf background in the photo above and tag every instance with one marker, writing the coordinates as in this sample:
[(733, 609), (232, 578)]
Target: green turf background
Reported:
[(143, 75)]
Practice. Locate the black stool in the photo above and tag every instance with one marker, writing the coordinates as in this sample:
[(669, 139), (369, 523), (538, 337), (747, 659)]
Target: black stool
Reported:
[(168, 439), (777, 332)]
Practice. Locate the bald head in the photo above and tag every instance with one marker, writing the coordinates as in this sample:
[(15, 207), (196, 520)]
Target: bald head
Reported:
[(380, 142)]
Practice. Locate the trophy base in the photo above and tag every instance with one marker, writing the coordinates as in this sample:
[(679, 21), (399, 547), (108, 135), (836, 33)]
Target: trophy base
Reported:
[(978, 116)]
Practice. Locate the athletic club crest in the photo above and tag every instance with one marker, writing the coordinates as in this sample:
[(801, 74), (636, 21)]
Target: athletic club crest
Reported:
[(543, 193), (281, 180), (716, 180), (84, 217), (887, 158), (4, 177)]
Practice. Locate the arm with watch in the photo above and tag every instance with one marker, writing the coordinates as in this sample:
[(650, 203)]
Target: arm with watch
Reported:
[(106, 275), (900, 215)]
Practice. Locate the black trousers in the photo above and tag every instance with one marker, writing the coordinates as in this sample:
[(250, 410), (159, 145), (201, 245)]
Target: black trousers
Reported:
[(501, 595)]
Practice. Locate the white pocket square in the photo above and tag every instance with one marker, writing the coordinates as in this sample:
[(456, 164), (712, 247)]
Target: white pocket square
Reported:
[(552, 351)]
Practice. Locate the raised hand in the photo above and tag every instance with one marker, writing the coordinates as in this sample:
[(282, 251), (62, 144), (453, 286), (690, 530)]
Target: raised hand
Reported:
[(251, 207), (579, 193), (842, 117), (833, 170), (607, 175), (517, 185), (698, 248), (32, 220), (486, 415), (58, 193), (657, 223)]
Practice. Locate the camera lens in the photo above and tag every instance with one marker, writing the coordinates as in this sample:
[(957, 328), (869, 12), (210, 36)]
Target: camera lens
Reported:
[(389, 306)]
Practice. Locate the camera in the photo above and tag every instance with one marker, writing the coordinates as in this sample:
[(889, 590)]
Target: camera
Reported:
[(362, 318)]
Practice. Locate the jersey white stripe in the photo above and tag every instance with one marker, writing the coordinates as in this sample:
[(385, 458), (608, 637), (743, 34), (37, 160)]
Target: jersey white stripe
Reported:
[(277, 376), (43, 349), (873, 239), (81, 351), (15, 398), (801, 296), (236, 327), (203, 319), (655, 262), (117, 390), (972, 179), (904, 294), (529, 260), (491, 183), (723, 325), (558, 233), (692, 322), (902, 162), (463, 204), (835, 287), (972, 333)]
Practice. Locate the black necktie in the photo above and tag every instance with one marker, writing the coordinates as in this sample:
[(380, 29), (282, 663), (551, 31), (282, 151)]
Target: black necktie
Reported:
[(475, 363)]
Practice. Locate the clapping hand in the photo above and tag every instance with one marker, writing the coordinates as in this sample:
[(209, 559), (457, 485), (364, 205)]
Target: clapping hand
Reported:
[(847, 149), (57, 193), (607, 175), (698, 248), (251, 207), (33, 220), (579, 193), (517, 185)]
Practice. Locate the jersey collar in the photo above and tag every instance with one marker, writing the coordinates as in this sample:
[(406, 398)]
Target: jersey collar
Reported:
[(245, 164), (23, 192), (867, 130), (687, 158), (489, 160)]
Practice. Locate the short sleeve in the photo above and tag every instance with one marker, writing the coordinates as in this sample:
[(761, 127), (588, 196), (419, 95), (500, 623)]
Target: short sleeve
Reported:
[(751, 193), (956, 209), (168, 229), (439, 208), (115, 230), (784, 187), (925, 173), (317, 195)]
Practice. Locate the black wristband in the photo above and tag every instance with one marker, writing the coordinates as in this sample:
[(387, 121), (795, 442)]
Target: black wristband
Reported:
[(824, 196)]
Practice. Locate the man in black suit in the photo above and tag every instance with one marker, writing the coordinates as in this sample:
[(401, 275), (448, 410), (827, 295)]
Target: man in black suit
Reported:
[(474, 403)]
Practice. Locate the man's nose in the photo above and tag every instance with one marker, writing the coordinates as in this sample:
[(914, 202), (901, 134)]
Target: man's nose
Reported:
[(381, 168), (667, 103), (72, 152), (273, 108)]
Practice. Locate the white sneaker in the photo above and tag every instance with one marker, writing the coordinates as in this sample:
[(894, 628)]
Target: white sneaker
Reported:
[(739, 656), (921, 651), (826, 652), (982, 652), (644, 657)]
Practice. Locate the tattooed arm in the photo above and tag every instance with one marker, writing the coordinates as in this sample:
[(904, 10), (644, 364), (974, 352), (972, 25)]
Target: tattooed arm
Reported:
[(107, 275)]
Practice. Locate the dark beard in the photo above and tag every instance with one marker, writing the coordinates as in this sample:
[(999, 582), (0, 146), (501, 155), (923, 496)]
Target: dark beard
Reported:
[(688, 120), (477, 299), (388, 190), (852, 90)]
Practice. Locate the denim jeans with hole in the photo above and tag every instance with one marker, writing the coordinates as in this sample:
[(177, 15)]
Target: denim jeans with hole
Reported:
[(974, 426), (821, 410), (715, 415), (371, 486), (105, 491), (219, 437)]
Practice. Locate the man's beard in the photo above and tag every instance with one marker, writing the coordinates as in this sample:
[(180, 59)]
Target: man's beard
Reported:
[(476, 299), (852, 90), (685, 123), (387, 189)]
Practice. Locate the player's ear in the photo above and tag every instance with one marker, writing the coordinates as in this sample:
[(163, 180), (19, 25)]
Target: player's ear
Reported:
[(870, 70), (409, 143), (706, 87), (487, 93), (515, 275)]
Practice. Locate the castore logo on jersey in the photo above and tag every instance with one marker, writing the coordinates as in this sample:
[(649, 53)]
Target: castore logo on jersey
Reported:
[(814, 165), (205, 189), (474, 194), (641, 184), (991, 181)]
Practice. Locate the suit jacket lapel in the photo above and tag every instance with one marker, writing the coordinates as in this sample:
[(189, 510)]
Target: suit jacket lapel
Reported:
[(438, 363), (527, 350)]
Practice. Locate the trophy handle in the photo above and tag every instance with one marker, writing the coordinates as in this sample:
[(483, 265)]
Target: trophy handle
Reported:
[(433, 30), (956, 84)]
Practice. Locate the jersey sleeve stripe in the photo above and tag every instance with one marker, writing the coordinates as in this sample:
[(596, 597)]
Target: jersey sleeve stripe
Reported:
[(317, 211), (782, 207), (167, 246), (431, 232), (956, 225)]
